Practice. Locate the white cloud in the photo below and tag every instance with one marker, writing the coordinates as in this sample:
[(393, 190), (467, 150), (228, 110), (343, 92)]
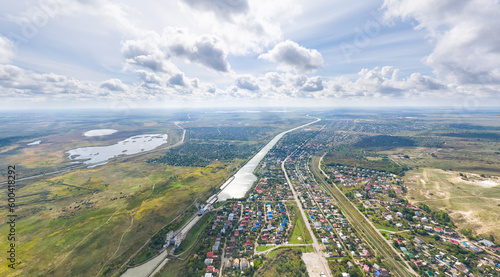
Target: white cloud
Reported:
[(206, 50), (6, 50), (247, 82), (291, 56), (244, 26), (113, 85), (16, 82), (313, 84), (177, 80), (466, 50), (155, 51), (385, 82)]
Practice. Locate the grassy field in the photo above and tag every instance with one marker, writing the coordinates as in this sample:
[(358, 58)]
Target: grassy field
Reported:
[(192, 235), (261, 248), (472, 202), (302, 248), (300, 234), (107, 212), (385, 228)]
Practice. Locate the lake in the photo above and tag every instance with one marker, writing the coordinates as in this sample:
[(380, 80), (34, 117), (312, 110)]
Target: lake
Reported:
[(99, 155)]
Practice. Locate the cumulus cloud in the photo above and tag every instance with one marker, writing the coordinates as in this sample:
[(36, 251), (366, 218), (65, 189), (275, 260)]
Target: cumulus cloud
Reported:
[(221, 8), (206, 50), (178, 80), (16, 82), (155, 51), (247, 82), (313, 84), (6, 50), (244, 26), (465, 51), (385, 82), (113, 85), (291, 56)]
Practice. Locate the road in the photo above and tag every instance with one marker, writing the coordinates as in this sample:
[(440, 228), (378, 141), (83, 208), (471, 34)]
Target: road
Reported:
[(366, 229), (316, 246)]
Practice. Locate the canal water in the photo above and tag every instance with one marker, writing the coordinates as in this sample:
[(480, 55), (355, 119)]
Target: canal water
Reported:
[(244, 178)]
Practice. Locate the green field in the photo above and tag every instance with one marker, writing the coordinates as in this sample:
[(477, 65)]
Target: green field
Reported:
[(386, 228), (261, 248), (300, 234), (302, 248)]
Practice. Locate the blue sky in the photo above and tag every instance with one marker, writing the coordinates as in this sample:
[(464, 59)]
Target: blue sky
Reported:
[(106, 53)]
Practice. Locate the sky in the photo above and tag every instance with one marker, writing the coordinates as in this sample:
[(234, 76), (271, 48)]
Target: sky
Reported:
[(238, 53)]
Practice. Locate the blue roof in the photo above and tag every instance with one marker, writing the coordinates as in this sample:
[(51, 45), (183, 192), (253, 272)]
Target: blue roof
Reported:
[(254, 228), (257, 224)]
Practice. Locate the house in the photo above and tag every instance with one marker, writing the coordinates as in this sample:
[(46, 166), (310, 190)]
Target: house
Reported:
[(244, 264), (210, 268), (384, 272), (209, 275), (486, 242), (208, 261), (364, 253), (236, 263), (227, 264), (461, 267)]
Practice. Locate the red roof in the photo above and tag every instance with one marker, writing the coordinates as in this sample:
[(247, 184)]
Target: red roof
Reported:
[(210, 254), (210, 268)]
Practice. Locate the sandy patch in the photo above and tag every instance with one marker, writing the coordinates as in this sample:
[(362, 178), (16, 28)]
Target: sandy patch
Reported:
[(313, 264), (488, 183)]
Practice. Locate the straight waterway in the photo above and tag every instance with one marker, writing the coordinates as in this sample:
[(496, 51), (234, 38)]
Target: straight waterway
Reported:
[(237, 188), (244, 178)]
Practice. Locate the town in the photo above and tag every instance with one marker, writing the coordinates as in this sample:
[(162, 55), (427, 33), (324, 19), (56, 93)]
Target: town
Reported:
[(399, 239)]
